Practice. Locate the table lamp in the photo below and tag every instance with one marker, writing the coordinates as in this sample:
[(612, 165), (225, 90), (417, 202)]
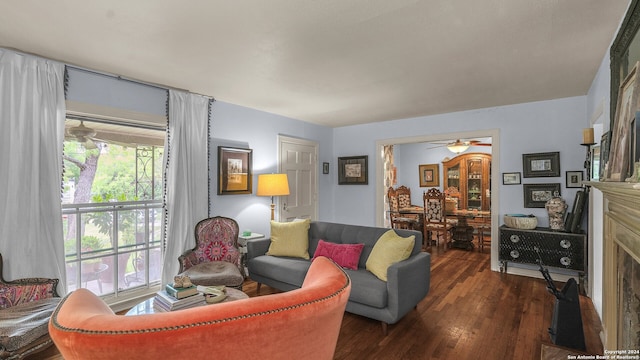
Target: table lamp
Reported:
[(273, 185)]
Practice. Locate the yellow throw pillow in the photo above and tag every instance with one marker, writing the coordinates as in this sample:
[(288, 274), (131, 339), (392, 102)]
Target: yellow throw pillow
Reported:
[(290, 239), (389, 249)]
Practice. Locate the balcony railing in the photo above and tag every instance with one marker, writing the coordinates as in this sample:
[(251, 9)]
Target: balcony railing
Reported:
[(113, 248)]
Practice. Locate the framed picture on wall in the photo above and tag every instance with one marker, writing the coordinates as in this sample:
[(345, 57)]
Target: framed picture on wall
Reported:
[(353, 170), (429, 175), (234, 171), (511, 178), (537, 195), (541, 164), (574, 179)]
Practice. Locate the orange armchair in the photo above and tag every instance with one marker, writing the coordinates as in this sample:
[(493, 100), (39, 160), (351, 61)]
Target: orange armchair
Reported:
[(302, 323)]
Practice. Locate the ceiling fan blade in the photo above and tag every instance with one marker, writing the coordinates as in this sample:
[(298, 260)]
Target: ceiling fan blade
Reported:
[(436, 146)]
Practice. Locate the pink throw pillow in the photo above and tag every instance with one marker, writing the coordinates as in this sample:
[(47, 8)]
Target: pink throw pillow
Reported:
[(345, 255)]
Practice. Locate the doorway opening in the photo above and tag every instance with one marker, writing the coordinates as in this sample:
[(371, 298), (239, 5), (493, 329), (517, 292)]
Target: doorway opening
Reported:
[(492, 134)]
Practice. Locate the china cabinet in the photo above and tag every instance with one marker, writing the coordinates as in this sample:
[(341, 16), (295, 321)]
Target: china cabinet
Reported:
[(471, 175)]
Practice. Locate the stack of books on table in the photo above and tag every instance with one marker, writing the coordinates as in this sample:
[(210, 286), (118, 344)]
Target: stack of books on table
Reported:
[(172, 298)]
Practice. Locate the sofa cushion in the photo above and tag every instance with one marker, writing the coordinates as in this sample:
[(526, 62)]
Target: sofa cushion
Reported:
[(23, 324), (367, 289), (390, 248), (290, 239), (345, 255), (285, 269)]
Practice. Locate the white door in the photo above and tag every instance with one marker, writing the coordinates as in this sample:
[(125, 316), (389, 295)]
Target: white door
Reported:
[(298, 159)]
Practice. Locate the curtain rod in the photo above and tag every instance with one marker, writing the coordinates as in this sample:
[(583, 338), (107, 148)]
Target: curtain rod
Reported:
[(119, 77), (91, 71)]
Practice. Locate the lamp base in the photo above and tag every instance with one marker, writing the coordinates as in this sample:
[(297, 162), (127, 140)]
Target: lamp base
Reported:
[(273, 208)]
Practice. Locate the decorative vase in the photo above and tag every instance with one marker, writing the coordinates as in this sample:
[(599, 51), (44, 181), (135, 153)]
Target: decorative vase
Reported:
[(556, 207)]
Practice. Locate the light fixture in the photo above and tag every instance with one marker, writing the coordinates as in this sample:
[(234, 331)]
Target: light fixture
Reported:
[(458, 146), (273, 185)]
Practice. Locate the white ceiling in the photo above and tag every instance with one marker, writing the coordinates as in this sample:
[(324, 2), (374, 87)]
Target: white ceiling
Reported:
[(331, 62)]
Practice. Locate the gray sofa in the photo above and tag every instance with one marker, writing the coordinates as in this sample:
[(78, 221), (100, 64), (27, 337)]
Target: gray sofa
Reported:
[(408, 280)]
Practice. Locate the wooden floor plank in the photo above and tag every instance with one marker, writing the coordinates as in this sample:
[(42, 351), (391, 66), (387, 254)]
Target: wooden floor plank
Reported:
[(470, 312)]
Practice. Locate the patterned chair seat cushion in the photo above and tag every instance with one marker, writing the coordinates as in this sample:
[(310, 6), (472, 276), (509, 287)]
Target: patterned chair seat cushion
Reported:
[(215, 273), (436, 225), (23, 324)]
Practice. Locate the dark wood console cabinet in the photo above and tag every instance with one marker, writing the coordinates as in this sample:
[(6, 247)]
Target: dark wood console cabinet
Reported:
[(558, 249)]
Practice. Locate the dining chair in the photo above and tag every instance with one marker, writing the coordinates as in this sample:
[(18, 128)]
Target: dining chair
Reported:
[(399, 220), (452, 198), (435, 217)]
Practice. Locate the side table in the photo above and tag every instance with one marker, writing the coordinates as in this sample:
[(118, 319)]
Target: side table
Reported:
[(242, 246)]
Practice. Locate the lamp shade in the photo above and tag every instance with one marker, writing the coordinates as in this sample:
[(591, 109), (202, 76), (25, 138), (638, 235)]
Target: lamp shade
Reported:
[(273, 185)]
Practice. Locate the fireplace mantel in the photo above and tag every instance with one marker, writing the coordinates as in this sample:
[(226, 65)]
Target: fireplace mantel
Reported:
[(621, 232)]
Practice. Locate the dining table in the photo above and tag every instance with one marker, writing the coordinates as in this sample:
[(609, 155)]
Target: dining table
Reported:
[(418, 212), (469, 222)]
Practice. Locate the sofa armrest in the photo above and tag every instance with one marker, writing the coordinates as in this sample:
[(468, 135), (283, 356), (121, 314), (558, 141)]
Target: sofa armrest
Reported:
[(408, 283), (257, 247)]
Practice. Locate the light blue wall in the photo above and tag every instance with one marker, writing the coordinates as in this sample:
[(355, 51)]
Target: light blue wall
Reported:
[(554, 125), (238, 126)]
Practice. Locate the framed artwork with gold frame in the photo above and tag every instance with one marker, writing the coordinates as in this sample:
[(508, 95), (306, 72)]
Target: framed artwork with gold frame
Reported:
[(429, 175), (234, 171)]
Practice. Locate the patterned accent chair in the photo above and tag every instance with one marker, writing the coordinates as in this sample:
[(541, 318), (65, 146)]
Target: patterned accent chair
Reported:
[(25, 308), (398, 199), (435, 217), (215, 260)]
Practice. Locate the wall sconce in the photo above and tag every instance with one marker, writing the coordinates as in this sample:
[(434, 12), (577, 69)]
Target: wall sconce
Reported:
[(588, 141), (273, 185)]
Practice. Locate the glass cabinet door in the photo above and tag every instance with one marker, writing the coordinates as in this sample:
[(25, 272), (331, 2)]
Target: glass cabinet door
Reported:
[(474, 184), (453, 177)]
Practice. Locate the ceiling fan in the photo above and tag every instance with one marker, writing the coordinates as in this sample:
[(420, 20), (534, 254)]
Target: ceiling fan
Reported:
[(84, 135), (460, 146)]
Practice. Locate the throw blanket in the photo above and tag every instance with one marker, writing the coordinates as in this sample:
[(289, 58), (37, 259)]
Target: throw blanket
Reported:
[(24, 323)]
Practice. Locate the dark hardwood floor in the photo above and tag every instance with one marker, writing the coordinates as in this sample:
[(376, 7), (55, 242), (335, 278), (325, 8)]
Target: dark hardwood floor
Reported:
[(469, 313)]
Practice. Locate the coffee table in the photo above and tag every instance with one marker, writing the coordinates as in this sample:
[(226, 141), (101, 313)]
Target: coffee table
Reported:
[(146, 307)]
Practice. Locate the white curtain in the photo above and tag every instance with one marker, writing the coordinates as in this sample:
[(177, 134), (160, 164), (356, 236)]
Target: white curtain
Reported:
[(32, 114), (186, 175)]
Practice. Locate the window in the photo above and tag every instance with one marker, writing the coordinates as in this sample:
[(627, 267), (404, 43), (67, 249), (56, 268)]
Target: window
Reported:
[(112, 206)]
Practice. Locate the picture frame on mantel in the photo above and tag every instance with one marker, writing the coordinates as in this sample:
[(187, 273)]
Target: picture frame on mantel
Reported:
[(541, 164), (620, 162), (353, 170), (234, 171), (604, 155)]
